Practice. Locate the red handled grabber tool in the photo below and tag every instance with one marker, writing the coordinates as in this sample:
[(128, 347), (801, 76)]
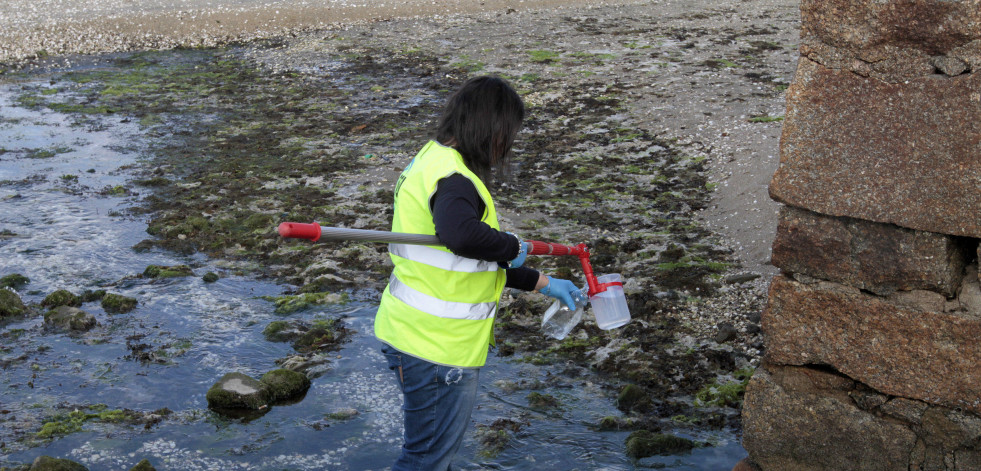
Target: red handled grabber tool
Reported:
[(315, 232)]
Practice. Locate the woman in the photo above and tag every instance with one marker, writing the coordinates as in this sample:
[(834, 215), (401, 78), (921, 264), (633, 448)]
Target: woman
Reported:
[(436, 316)]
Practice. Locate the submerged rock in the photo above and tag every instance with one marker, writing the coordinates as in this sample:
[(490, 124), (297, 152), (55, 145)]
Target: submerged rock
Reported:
[(117, 303), (633, 398), (238, 391), (61, 297), (14, 280), (644, 443), (69, 318), (283, 384), (143, 466), (10, 304), (47, 463), (210, 277), (162, 271), (89, 296)]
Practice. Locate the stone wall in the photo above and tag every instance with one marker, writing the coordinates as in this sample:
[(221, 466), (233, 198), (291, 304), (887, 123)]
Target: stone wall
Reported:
[(873, 327)]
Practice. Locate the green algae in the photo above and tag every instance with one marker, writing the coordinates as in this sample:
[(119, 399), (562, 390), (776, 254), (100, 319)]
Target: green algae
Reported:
[(61, 297), (727, 393), (49, 463), (284, 384), (14, 280), (70, 422), (160, 271), (644, 443), (539, 400), (117, 303), (10, 304), (288, 304)]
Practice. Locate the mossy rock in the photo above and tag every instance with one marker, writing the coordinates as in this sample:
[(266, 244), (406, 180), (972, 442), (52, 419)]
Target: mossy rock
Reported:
[(633, 398), (89, 296), (143, 466), (161, 271), (62, 297), (47, 463), (210, 277), (14, 281), (324, 334), (284, 384), (10, 304), (280, 331), (69, 318), (238, 391), (117, 303), (289, 304), (644, 443), (538, 400)]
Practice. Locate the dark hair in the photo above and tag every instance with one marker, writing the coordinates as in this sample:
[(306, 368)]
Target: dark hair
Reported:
[(480, 121)]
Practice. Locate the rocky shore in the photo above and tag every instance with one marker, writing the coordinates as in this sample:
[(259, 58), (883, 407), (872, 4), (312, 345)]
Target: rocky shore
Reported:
[(652, 134)]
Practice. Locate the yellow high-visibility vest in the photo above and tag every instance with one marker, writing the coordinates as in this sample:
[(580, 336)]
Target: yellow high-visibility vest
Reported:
[(437, 306)]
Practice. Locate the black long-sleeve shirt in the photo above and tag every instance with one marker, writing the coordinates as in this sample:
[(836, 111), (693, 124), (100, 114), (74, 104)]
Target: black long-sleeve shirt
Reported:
[(457, 209)]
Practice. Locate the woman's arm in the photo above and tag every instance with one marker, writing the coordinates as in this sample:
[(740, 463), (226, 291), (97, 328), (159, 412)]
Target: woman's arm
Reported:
[(457, 209)]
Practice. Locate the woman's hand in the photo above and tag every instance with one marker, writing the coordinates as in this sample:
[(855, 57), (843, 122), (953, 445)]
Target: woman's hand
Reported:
[(563, 290)]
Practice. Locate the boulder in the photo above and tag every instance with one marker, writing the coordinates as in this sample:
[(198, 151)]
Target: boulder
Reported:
[(69, 318), (811, 424), (238, 391), (865, 149), (865, 28), (117, 303), (11, 304), (284, 385), (644, 443), (143, 465), (62, 297), (881, 258), (47, 463), (14, 280), (161, 271), (906, 345)]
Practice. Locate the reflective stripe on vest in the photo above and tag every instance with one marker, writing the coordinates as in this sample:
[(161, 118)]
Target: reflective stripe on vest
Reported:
[(438, 307), (441, 259)]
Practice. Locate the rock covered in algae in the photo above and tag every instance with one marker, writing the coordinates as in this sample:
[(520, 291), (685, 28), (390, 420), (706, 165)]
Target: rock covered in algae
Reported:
[(69, 318), (283, 384), (10, 304), (62, 297), (143, 466), (633, 398), (161, 271), (14, 280), (644, 443), (89, 296), (210, 277), (238, 391), (47, 463), (117, 303)]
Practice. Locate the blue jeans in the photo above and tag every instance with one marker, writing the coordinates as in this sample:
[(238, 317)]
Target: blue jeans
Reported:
[(437, 407)]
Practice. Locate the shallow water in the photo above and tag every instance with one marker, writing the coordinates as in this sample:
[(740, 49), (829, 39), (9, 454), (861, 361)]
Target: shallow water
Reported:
[(69, 234)]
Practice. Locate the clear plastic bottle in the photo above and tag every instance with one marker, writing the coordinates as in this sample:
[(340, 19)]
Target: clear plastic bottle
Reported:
[(559, 320)]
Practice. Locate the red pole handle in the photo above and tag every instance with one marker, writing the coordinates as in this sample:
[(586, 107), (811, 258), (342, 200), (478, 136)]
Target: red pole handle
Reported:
[(548, 248), (298, 230)]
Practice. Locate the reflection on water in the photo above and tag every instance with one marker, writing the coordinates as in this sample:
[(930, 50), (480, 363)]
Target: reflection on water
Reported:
[(63, 227)]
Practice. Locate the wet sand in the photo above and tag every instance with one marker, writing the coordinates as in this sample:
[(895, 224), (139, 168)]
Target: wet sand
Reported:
[(40, 28)]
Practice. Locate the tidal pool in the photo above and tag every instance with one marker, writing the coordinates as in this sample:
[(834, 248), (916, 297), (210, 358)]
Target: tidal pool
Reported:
[(64, 194)]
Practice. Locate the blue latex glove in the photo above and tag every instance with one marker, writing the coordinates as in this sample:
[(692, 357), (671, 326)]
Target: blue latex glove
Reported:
[(563, 290), (522, 254)]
